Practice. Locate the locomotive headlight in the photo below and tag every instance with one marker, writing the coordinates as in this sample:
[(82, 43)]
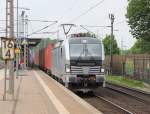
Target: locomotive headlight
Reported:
[(67, 68), (102, 70)]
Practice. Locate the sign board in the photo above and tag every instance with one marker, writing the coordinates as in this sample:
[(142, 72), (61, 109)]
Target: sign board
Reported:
[(33, 41), (17, 50), (24, 42), (7, 48)]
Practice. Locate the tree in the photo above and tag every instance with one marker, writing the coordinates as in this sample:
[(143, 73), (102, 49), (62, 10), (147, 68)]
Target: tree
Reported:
[(141, 46), (138, 14), (115, 48)]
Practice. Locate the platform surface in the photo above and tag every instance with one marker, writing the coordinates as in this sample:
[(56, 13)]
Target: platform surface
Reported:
[(37, 93)]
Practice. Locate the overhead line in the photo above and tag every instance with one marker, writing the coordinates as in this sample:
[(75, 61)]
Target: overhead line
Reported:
[(47, 32), (42, 29), (68, 10), (36, 20), (120, 22), (94, 26), (91, 8), (87, 29), (41, 20)]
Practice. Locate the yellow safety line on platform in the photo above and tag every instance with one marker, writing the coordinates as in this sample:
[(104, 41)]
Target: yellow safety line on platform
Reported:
[(58, 105)]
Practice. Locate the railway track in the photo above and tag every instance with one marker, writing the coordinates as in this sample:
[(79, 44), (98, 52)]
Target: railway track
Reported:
[(120, 100), (136, 94), (125, 101), (105, 105), (120, 109)]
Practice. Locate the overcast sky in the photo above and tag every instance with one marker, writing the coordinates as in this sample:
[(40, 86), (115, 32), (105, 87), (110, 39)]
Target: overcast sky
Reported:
[(67, 10)]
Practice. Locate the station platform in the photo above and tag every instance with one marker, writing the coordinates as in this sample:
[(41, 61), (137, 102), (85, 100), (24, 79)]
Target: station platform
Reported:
[(37, 93)]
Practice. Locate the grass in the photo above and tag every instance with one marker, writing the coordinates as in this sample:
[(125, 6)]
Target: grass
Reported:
[(124, 81)]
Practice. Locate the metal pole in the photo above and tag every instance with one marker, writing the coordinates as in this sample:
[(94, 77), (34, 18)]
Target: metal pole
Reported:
[(22, 32), (24, 56), (10, 34), (112, 18), (17, 55), (27, 41), (25, 45), (19, 35), (5, 72)]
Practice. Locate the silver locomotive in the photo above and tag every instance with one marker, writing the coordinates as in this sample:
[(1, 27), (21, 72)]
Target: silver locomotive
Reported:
[(77, 62)]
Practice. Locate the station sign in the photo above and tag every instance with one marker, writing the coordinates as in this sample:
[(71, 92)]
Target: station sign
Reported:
[(7, 48)]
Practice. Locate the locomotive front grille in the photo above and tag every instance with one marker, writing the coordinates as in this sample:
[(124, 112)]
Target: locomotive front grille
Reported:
[(85, 70), (76, 70)]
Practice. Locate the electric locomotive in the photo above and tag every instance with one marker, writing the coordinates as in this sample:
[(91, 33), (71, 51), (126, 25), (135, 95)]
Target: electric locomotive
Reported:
[(78, 62)]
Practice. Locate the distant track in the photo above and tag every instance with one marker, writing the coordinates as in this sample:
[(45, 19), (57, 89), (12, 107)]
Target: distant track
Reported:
[(115, 99), (136, 94), (124, 100)]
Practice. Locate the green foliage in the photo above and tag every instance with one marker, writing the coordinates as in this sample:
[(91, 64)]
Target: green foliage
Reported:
[(129, 67), (124, 52), (124, 81), (106, 42), (138, 14), (141, 46)]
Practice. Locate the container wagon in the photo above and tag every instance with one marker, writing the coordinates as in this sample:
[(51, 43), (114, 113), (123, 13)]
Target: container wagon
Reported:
[(43, 55)]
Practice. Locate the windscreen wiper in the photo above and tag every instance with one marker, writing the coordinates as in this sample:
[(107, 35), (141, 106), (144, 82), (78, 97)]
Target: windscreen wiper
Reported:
[(88, 53), (80, 56)]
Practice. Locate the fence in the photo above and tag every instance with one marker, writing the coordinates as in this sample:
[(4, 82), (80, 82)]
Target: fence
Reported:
[(133, 66)]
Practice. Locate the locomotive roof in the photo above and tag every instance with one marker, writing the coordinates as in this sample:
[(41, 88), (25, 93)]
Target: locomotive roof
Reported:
[(81, 39)]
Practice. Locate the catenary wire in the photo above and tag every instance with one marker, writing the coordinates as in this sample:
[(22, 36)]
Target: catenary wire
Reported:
[(42, 29), (84, 13)]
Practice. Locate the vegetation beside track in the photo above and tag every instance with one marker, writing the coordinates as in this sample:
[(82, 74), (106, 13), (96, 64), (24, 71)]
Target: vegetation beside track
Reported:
[(124, 81)]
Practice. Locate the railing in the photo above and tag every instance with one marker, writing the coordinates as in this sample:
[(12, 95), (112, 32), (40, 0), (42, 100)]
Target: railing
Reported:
[(133, 66)]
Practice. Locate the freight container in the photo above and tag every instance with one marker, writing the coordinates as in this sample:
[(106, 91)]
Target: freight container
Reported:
[(41, 58), (36, 58), (43, 54), (48, 57)]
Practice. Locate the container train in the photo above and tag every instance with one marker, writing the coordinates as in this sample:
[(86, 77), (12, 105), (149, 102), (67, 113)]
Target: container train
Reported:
[(76, 61)]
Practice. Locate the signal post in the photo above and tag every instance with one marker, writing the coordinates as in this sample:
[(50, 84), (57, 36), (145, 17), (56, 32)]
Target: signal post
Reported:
[(8, 49), (8, 55)]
